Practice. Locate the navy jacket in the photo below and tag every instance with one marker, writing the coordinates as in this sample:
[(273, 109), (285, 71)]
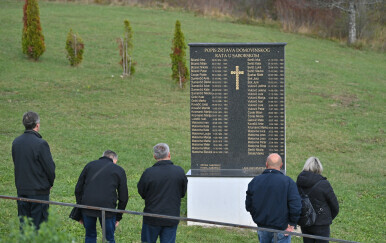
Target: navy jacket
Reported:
[(273, 200), (102, 183), (162, 186), (34, 166), (322, 197)]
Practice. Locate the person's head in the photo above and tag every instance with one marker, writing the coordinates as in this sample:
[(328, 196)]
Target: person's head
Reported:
[(274, 162), (31, 121), (161, 151), (313, 165), (111, 154)]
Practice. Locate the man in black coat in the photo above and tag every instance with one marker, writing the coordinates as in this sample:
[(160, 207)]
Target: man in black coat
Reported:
[(101, 183), (162, 186), (34, 170)]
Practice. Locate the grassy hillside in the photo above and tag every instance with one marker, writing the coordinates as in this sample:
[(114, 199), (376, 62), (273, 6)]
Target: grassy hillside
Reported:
[(335, 99)]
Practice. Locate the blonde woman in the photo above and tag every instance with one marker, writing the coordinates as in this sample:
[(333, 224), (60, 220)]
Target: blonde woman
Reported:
[(322, 197)]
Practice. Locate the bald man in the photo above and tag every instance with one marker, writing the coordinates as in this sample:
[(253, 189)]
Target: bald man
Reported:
[(273, 201)]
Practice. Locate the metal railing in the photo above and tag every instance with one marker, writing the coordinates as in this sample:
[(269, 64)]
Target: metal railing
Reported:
[(104, 210)]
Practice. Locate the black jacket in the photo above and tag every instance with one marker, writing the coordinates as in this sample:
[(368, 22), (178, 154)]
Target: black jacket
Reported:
[(101, 184), (273, 200), (34, 166), (323, 198), (162, 186)]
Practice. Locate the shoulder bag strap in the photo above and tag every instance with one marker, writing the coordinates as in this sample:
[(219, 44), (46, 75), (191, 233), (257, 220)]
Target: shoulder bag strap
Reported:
[(99, 171), (313, 187)]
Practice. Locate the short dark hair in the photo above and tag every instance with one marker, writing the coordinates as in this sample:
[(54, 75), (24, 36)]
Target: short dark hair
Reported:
[(30, 120), (110, 154)]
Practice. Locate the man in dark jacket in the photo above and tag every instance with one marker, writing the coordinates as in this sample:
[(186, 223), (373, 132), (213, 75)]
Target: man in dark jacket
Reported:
[(162, 186), (273, 201), (101, 183), (34, 170)]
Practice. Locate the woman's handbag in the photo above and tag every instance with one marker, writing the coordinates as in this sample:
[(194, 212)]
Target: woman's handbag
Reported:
[(308, 214), (76, 214)]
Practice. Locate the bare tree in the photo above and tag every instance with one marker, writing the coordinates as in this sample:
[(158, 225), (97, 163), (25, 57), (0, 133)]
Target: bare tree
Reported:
[(351, 8)]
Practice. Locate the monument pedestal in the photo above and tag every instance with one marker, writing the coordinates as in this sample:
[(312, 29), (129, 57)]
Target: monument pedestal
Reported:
[(218, 199)]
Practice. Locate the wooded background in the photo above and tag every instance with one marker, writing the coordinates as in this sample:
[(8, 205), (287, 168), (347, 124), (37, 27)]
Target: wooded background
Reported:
[(360, 23)]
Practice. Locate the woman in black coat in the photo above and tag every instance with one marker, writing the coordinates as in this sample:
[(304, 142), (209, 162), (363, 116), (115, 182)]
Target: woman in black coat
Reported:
[(322, 197)]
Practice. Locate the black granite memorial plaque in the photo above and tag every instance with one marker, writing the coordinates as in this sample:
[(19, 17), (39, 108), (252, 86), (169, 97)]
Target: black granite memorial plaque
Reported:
[(237, 107)]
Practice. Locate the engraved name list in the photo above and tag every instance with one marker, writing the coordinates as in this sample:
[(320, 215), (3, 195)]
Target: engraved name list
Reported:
[(237, 107)]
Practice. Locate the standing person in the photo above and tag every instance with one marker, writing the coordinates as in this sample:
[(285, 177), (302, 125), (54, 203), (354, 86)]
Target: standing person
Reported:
[(161, 186), (273, 201), (322, 198), (101, 183), (34, 170)]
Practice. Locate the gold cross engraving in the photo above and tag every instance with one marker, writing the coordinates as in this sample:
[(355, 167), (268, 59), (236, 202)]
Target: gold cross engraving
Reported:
[(237, 72)]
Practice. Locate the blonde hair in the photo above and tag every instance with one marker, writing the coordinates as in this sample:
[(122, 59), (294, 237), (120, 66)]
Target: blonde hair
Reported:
[(314, 165)]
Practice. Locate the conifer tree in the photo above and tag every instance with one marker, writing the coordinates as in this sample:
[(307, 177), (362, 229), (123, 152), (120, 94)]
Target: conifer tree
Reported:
[(126, 50), (75, 48), (180, 72), (32, 37)]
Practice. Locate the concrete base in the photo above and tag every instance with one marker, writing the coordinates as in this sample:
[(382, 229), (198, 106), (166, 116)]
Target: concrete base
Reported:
[(218, 199)]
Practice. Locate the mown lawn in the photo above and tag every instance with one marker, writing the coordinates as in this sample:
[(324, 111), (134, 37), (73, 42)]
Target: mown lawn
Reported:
[(335, 109)]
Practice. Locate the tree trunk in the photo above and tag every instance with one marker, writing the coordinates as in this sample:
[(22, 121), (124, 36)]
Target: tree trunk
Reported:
[(123, 58), (351, 24), (126, 60), (179, 74), (129, 66), (74, 46)]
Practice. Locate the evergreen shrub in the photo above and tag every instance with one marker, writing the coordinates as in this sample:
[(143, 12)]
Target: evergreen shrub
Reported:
[(180, 73), (75, 48), (32, 38)]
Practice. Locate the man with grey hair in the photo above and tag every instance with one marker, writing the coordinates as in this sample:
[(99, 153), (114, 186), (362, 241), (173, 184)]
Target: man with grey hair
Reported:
[(273, 201), (161, 186), (102, 183), (34, 170)]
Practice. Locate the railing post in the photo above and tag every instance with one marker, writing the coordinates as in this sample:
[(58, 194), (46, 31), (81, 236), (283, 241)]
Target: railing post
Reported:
[(275, 237), (103, 226)]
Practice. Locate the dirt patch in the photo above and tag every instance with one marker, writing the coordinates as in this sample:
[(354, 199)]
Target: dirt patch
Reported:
[(346, 100)]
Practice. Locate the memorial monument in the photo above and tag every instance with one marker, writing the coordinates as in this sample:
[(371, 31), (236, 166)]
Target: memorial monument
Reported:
[(237, 110)]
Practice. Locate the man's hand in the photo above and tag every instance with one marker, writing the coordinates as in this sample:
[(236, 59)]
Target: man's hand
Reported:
[(116, 223), (81, 221), (289, 229)]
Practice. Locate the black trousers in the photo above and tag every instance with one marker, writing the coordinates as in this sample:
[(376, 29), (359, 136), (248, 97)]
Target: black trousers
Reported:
[(38, 212), (319, 230)]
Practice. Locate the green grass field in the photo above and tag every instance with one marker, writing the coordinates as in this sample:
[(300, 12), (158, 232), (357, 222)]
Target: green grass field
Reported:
[(335, 110)]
